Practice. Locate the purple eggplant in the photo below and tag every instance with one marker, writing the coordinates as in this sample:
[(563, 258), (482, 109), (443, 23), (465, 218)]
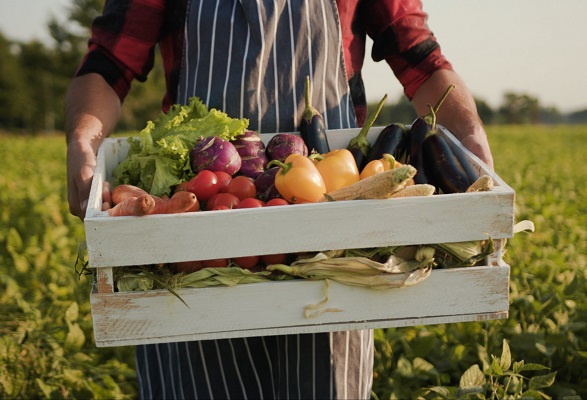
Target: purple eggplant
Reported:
[(253, 166), (420, 128), (215, 154), (248, 144), (282, 145), (312, 126)]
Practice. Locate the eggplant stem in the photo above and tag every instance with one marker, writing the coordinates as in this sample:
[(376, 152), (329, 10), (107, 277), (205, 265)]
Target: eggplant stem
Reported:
[(361, 139), (307, 92), (433, 111)]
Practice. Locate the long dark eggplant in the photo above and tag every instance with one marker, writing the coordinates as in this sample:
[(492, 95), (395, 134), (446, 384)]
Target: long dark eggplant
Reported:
[(312, 126), (393, 139), (446, 167), (418, 131), (359, 146)]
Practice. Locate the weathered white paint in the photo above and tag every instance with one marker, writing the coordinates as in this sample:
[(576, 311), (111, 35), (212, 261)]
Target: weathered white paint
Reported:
[(450, 295), (453, 295), (306, 227)]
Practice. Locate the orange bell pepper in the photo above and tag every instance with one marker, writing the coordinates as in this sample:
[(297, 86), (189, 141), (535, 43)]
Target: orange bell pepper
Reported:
[(338, 168), (383, 164), (376, 166), (298, 180)]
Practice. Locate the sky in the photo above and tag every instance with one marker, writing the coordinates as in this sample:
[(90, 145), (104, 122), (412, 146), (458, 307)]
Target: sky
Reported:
[(533, 47)]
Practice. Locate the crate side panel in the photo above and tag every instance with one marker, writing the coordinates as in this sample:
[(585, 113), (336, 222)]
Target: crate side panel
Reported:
[(306, 227), (227, 311), (390, 323)]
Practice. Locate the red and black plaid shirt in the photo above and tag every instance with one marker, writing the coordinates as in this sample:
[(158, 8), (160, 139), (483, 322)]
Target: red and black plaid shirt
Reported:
[(123, 42)]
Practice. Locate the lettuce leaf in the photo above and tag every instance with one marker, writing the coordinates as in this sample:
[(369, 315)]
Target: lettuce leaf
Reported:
[(159, 158)]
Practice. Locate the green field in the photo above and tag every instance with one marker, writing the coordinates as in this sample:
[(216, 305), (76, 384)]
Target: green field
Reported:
[(46, 346)]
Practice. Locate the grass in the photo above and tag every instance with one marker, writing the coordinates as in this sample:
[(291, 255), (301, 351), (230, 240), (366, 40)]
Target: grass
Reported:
[(46, 345)]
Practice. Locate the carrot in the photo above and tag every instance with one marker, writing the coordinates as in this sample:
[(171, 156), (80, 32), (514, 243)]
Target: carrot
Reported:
[(123, 192), (133, 206), (178, 203), (106, 193)]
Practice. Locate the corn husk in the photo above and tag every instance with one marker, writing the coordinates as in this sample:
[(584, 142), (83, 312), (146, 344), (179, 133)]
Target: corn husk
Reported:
[(359, 271), (138, 281), (464, 254), (144, 279), (229, 276)]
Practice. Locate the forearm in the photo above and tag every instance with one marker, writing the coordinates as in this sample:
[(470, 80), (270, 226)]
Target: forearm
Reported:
[(92, 109), (458, 113)]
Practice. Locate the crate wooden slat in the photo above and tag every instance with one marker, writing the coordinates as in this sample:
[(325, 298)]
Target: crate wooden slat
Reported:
[(451, 295), (464, 294)]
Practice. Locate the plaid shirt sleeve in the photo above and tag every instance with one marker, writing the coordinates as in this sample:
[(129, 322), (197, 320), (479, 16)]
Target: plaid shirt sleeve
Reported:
[(400, 36), (123, 42)]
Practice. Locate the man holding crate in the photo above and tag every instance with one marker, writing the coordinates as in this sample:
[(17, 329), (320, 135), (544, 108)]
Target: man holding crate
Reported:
[(250, 59)]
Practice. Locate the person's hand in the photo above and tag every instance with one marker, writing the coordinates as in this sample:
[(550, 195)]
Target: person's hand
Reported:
[(81, 163), (458, 112), (92, 109), (476, 141)]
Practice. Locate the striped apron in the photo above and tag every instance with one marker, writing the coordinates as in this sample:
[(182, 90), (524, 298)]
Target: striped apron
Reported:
[(250, 59)]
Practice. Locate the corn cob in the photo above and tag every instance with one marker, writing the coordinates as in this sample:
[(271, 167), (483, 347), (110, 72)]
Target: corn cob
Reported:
[(378, 186), (483, 184), (421, 189)]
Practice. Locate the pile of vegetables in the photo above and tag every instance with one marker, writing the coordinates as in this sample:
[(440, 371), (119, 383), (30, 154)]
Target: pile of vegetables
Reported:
[(193, 159)]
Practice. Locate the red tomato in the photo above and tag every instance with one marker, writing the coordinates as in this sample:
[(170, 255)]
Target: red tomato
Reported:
[(204, 185), (247, 262), (215, 263), (277, 201), (250, 202), (182, 187), (219, 208), (223, 179), (228, 200), (269, 259), (242, 187), (186, 266)]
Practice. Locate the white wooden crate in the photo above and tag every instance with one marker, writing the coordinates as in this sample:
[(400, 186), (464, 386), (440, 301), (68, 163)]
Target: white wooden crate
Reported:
[(462, 294)]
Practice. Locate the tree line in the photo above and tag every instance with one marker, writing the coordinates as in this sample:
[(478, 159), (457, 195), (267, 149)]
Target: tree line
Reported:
[(34, 77)]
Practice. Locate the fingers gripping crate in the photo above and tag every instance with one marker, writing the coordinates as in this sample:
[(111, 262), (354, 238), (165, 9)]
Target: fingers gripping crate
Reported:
[(268, 308)]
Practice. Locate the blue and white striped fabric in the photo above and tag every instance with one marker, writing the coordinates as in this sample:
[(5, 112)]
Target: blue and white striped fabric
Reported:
[(309, 366), (250, 59)]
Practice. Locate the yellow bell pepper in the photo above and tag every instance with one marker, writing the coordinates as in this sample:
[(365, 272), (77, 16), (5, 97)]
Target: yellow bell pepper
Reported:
[(298, 180), (337, 167)]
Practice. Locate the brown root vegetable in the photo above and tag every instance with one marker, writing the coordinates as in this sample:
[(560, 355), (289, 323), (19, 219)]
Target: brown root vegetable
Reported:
[(124, 191), (133, 207)]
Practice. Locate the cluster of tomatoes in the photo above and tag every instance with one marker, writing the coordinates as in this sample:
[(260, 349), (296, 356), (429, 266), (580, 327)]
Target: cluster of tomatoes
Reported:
[(246, 262), (221, 191)]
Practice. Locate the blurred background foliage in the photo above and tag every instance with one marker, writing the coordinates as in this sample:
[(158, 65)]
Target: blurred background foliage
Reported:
[(34, 77)]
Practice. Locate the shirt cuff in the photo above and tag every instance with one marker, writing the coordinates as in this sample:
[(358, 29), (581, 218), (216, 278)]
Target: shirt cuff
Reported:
[(98, 62), (411, 76)]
